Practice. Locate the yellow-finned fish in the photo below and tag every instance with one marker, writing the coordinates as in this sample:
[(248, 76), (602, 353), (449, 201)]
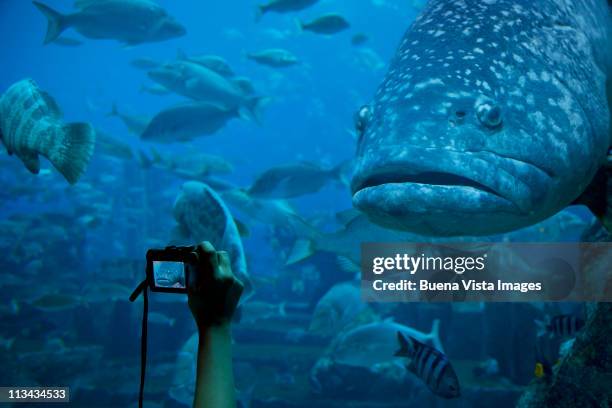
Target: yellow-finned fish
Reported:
[(539, 370), (31, 125)]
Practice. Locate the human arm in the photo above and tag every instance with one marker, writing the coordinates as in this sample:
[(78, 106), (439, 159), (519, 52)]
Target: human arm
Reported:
[(213, 297)]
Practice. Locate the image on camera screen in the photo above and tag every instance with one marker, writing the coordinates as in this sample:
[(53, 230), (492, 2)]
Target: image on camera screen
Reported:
[(169, 274)]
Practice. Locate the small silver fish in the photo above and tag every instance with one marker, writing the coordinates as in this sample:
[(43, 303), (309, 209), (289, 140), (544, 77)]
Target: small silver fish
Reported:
[(375, 343), (359, 39), (192, 166), (284, 6), (326, 24), (129, 21), (203, 84), (212, 62), (294, 180), (111, 146), (31, 125), (187, 121), (135, 123), (268, 212), (274, 57)]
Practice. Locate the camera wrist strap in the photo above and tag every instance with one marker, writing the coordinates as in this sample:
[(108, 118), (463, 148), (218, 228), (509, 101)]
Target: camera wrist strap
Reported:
[(142, 288)]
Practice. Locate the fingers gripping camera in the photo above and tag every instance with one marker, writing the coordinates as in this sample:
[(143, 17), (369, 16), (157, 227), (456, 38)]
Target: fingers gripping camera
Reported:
[(203, 273), (215, 293)]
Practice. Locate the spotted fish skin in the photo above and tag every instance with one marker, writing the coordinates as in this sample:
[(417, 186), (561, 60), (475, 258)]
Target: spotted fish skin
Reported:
[(31, 125), (203, 216), (492, 116)]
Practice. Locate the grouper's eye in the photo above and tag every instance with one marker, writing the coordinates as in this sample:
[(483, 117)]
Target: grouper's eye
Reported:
[(362, 117), (489, 114)]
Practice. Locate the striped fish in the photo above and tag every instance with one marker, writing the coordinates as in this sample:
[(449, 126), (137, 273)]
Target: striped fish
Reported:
[(560, 326), (31, 125), (430, 365)]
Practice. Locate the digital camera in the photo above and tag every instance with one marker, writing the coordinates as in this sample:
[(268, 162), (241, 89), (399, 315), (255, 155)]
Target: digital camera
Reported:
[(168, 269)]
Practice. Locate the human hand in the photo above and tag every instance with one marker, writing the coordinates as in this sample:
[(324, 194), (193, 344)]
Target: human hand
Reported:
[(213, 291)]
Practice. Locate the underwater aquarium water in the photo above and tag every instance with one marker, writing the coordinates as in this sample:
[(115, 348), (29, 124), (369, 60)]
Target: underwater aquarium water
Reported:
[(287, 134)]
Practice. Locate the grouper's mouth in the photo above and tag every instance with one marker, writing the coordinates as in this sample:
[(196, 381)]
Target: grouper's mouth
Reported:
[(163, 281), (438, 180), (433, 178)]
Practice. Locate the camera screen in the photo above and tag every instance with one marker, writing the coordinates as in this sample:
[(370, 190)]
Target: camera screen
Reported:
[(169, 274)]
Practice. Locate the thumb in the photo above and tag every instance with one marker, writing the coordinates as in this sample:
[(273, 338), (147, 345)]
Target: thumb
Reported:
[(224, 270), (206, 253)]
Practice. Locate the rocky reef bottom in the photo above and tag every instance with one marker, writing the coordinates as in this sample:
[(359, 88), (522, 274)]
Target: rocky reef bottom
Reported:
[(583, 377)]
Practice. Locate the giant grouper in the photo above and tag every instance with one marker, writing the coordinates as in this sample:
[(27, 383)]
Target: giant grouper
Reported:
[(494, 115)]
